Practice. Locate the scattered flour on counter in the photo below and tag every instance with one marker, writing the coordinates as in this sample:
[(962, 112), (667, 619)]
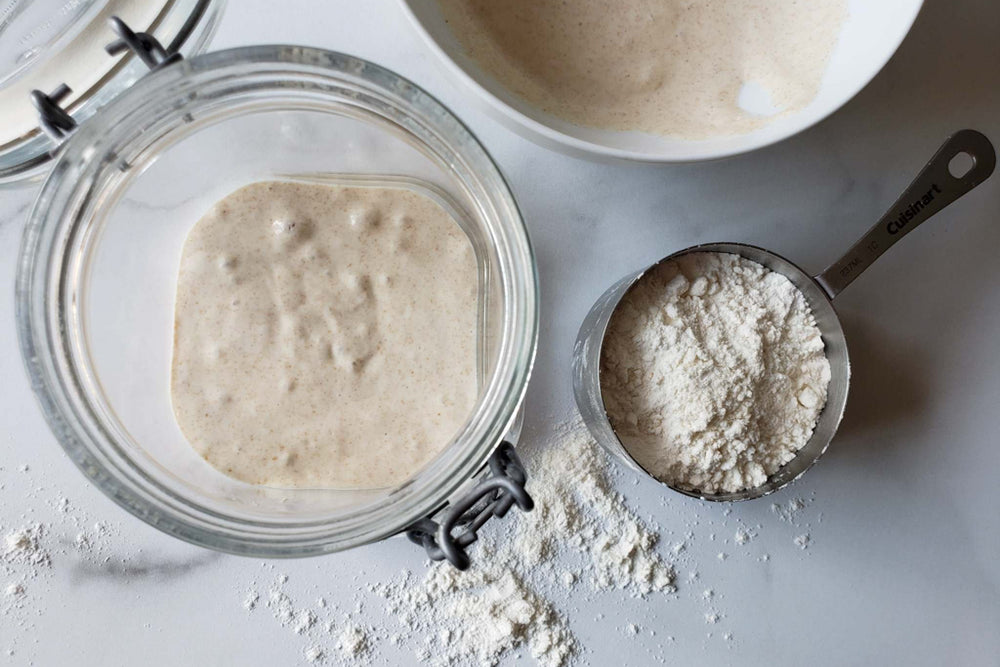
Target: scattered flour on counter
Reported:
[(353, 641), (314, 654), (304, 621), (583, 539), (504, 603), (52, 534), (802, 541), (281, 606), (713, 372), (251, 600), (499, 605), (577, 505), (789, 511), (476, 616), (24, 547)]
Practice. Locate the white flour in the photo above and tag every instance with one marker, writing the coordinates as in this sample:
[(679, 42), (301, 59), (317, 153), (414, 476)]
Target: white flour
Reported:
[(577, 505), (24, 547), (499, 605), (582, 541), (531, 573), (52, 534), (713, 372), (314, 654), (790, 511), (353, 641), (304, 621)]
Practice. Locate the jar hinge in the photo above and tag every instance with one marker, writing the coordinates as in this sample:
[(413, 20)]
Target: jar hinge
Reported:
[(56, 121), (462, 520)]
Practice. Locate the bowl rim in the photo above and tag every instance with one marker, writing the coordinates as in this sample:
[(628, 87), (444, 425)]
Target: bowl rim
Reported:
[(550, 137)]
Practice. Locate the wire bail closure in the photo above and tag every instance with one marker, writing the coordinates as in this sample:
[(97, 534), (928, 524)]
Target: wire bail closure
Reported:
[(56, 121), (461, 521), (53, 118), (142, 44)]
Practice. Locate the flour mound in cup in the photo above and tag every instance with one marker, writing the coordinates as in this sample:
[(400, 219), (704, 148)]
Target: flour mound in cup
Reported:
[(713, 372)]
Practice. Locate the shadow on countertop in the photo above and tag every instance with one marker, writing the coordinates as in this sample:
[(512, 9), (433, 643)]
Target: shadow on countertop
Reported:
[(142, 567)]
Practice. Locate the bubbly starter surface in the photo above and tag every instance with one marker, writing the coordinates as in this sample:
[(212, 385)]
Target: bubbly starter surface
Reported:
[(325, 336), (672, 67)]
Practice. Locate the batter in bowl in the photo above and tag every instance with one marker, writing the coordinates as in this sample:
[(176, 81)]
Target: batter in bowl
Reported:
[(669, 67), (325, 336)]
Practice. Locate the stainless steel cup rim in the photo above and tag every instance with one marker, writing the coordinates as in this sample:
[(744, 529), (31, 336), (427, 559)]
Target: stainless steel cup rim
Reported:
[(934, 188)]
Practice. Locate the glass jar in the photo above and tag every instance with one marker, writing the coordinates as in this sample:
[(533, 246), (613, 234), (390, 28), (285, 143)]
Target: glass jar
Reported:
[(100, 254), (50, 43)]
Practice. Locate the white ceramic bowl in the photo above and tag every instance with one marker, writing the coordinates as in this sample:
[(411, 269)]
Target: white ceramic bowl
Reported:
[(870, 36)]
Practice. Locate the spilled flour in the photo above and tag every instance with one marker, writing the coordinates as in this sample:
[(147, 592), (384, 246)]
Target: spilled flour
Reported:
[(583, 541), (533, 577), (24, 547), (52, 537), (353, 641), (483, 613), (578, 505), (493, 608), (581, 536)]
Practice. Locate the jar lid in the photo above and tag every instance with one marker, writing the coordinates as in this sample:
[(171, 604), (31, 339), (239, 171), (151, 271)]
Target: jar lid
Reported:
[(46, 45)]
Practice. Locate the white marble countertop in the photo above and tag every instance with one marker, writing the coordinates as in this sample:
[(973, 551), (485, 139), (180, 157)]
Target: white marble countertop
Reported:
[(903, 563)]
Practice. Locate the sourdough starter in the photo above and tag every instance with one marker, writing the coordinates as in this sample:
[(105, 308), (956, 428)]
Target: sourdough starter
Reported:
[(674, 67), (325, 336)]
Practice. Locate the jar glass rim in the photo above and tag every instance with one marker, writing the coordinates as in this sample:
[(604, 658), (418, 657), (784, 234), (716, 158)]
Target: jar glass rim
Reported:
[(43, 310), (185, 26)]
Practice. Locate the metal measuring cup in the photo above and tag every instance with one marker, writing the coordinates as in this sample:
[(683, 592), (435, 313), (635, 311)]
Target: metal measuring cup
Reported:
[(933, 189)]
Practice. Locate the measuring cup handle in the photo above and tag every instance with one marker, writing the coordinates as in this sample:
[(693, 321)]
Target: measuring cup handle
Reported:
[(932, 190)]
